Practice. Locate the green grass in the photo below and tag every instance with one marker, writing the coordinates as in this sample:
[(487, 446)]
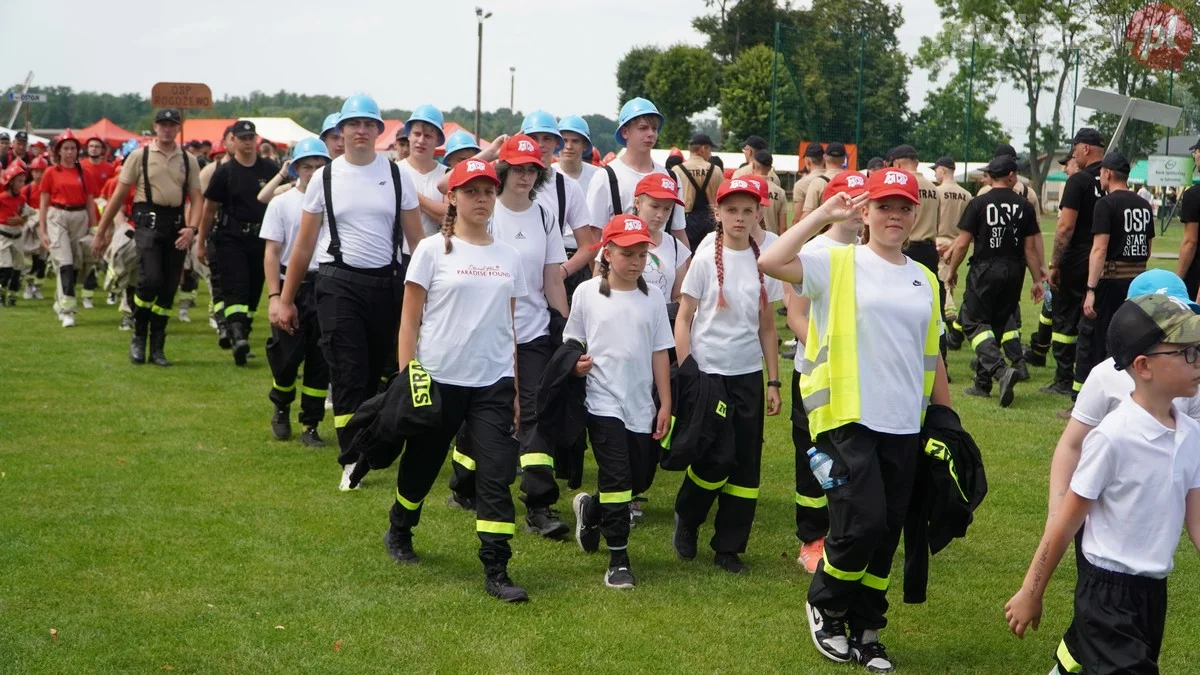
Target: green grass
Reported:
[(147, 517)]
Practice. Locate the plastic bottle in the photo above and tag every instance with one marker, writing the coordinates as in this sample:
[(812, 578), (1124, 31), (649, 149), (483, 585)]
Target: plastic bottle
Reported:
[(821, 464)]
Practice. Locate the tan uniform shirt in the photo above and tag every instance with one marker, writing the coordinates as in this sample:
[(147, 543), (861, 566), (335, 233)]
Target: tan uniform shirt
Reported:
[(953, 199), (207, 172), (1022, 188), (748, 169), (697, 168), (927, 213), (800, 190), (815, 196), (166, 174), (777, 209)]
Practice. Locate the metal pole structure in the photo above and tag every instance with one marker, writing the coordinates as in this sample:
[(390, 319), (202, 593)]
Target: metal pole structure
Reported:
[(17, 106), (480, 16), (1073, 105), (512, 88), (970, 114), (774, 88), (862, 61), (1170, 101)]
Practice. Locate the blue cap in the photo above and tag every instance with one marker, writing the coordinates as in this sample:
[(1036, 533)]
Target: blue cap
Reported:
[(1161, 282)]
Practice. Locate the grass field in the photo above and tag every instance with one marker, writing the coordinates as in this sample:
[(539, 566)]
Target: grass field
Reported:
[(149, 523)]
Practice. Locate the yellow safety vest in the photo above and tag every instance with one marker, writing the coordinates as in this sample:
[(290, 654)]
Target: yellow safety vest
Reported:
[(829, 384)]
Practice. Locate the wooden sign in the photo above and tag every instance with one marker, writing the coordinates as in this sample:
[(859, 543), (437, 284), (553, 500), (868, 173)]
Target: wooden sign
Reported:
[(185, 95)]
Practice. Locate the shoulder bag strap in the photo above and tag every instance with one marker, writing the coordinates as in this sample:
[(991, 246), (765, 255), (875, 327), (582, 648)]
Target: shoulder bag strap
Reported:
[(614, 191)]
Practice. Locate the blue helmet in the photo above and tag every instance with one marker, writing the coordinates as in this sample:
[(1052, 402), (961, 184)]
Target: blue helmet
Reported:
[(460, 140), (330, 124), (541, 122), (578, 125), (429, 115), (360, 106), (307, 147), (635, 107)]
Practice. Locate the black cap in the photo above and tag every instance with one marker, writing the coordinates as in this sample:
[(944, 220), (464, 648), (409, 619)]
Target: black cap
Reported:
[(1006, 150), (1088, 136), (763, 157), (814, 151), (755, 142), (1195, 145), (875, 164), (1115, 161), (4, 136), (402, 132), (206, 142), (902, 152), (947, 162), (193, 143), (701, 139), (243, 128), (1000, 166), (21, 136), (1066, 158), (167, 115), (835, 149)]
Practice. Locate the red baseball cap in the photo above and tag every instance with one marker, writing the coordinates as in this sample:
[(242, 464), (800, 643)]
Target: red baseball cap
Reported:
[(521, 149), (625, 230), (893, 183), (659, 186), (764, 192), (468, 170), (738, 186), (852, 183)]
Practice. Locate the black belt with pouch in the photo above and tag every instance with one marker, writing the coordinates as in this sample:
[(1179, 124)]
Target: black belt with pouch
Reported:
[(165, 219), (229, 225)]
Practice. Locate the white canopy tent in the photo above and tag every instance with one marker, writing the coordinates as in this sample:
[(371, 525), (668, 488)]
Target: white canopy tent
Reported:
[(280, 129), (33, 138)]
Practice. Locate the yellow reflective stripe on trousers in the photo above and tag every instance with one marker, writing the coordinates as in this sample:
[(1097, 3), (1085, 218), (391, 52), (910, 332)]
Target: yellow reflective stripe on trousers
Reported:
[(812, 502), (218, 308), (1063, 339), (1076, 386), (146, 304), (841, 574), (739, 491), (466, 462), (1010, 335), (277, 387), (707, 485), (537, 459), (872, 581), (309, 391), (230, 310), (979, 339), (1045, 320), (1065, 658), (616, 497), (411, 506), (340, 421), (495, 527)]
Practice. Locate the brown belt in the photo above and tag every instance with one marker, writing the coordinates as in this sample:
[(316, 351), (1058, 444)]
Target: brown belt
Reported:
[(1121, 269), (64, 207)]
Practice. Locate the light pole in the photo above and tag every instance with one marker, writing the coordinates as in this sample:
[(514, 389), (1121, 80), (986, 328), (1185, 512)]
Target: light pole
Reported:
[(480, 16), (512, 87)]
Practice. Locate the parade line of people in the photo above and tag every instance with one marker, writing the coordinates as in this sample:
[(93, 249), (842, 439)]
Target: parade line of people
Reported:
[(512, 303)]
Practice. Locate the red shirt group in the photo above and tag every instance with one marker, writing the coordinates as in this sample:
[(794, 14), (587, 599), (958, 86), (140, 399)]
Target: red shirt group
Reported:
[(67, 187)]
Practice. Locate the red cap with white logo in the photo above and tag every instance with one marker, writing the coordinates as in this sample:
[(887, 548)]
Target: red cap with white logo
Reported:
[(893, 183), (659, 186), (764, 192), (521, 149), (736, 186), (468, 170), (624, 231), (852, 183)]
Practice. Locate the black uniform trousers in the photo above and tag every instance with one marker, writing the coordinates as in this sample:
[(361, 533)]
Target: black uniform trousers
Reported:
[(626, 462), (812, 510), (866, 515), (1093, 333), (158, 268), (572, 282), (286, 352), (214, 281), (359, 319), (488, 414), (992, 296), (1010, 341), (729, 471), (1118, 624), (240, 260), (1067, 311), (1039, 343)]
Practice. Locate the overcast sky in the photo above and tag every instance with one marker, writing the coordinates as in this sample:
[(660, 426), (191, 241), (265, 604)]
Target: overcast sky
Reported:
[(403, 53)]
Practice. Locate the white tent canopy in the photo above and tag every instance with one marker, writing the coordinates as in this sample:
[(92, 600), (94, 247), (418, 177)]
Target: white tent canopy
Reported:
[(33, 138), (280, 129)]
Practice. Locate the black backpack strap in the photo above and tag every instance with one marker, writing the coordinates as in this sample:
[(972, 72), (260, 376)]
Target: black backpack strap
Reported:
[(335, 243), (545, 225), (560, 183), (614, 192), (146, 174), (397, 230)]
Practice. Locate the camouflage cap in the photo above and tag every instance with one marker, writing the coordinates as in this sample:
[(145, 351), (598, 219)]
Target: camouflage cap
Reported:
[(1148, 320)]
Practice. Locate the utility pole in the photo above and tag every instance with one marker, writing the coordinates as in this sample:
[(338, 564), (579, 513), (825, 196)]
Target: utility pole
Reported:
[(512, 87), (479, 16)]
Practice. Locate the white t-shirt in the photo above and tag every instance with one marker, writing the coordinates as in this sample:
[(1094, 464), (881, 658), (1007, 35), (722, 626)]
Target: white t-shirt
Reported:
[(576, 214), (818, 308), (525, 232), (1139, 473), (425, 184), (466, 335), (587, 171), (1106, 387), (662, 267), (711, 238), (599, 197), (281, 223), (724, 340), (364, 204), (621, 332), (893, 310)]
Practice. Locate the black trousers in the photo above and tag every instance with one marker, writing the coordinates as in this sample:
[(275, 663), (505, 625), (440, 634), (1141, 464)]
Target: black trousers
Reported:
[(359, 323), (925, 252), (240, 261), (992, 297), (866, 515), (729, 473), (1092, 347), (1039, 343), (572, 282), (1118, 624), (286, 353), (159, 265), (1067, 311), (812, 508), (488, 413), (214, 280), (625, 462)]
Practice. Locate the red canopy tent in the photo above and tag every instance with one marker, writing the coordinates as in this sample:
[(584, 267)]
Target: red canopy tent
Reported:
[(108, 131)]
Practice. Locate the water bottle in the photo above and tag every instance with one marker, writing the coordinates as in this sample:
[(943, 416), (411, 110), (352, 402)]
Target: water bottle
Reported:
[(821, 464), (1046, 298)]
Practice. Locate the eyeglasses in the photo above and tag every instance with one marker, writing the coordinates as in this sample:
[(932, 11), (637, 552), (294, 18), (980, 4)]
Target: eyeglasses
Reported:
[(1189, 353)]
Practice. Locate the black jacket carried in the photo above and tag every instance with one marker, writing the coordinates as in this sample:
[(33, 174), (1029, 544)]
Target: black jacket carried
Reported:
[(411, 404), (700, 411), (562, 412), (950, 484)]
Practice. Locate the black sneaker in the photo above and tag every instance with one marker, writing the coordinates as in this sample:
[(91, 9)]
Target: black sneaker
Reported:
[(499, 586), (619, 577), (828, 634), (1060, 388), (1022, 372), (544, 521), (399, 546), (459, 501), (974, 390), (241, 351), (223, 339), (870, 653), (1036, 360), (588, 536), (281, 424), (730, 562), (789, 354), (1007, 383), (310, 439), (684, 540)]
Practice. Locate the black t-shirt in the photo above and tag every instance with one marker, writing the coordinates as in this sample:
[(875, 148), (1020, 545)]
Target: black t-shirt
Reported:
[(235, 188), (1129, 223), (1081, 193), (1000, 220), (1189, 212)]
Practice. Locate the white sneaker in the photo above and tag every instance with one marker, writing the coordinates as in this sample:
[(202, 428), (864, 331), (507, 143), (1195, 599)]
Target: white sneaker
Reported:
[(37, 293), (184, 316), (112, 299), (88, 304), (68, 320), (790, 343), (344, 486), (28, 294), (212, 322)]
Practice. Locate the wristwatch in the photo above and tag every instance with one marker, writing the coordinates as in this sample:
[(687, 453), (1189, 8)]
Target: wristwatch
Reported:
[(1091, 289), (775, 383)]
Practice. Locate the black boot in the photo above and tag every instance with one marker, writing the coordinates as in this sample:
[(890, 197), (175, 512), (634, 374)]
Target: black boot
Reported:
[(223, 339), (399, 545), (241, 346), (499, 586), (281, 422), (158, 339), (542, 520), (137, 344)]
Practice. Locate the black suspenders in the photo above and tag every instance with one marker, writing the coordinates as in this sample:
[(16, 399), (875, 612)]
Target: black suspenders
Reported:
[(335, 242)]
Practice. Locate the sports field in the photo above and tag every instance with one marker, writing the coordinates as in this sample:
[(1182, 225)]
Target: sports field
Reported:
[(149, 523)]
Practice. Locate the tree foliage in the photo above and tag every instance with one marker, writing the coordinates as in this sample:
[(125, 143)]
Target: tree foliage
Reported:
[(632, 70), (740, 24), (682, 81), (745, 110), (940, 127)]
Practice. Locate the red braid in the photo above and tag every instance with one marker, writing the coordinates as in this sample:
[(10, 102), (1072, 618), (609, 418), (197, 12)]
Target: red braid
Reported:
[(762, 283), (719, 258)]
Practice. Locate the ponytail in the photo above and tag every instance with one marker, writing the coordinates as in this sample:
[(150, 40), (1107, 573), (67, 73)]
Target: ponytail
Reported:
[(762, 283), (605, 268), (719, 258), (448, 224)]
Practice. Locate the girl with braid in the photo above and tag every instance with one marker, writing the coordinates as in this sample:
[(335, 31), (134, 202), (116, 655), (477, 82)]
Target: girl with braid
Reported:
[(727, 327), (622, 323), (459, 298)]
